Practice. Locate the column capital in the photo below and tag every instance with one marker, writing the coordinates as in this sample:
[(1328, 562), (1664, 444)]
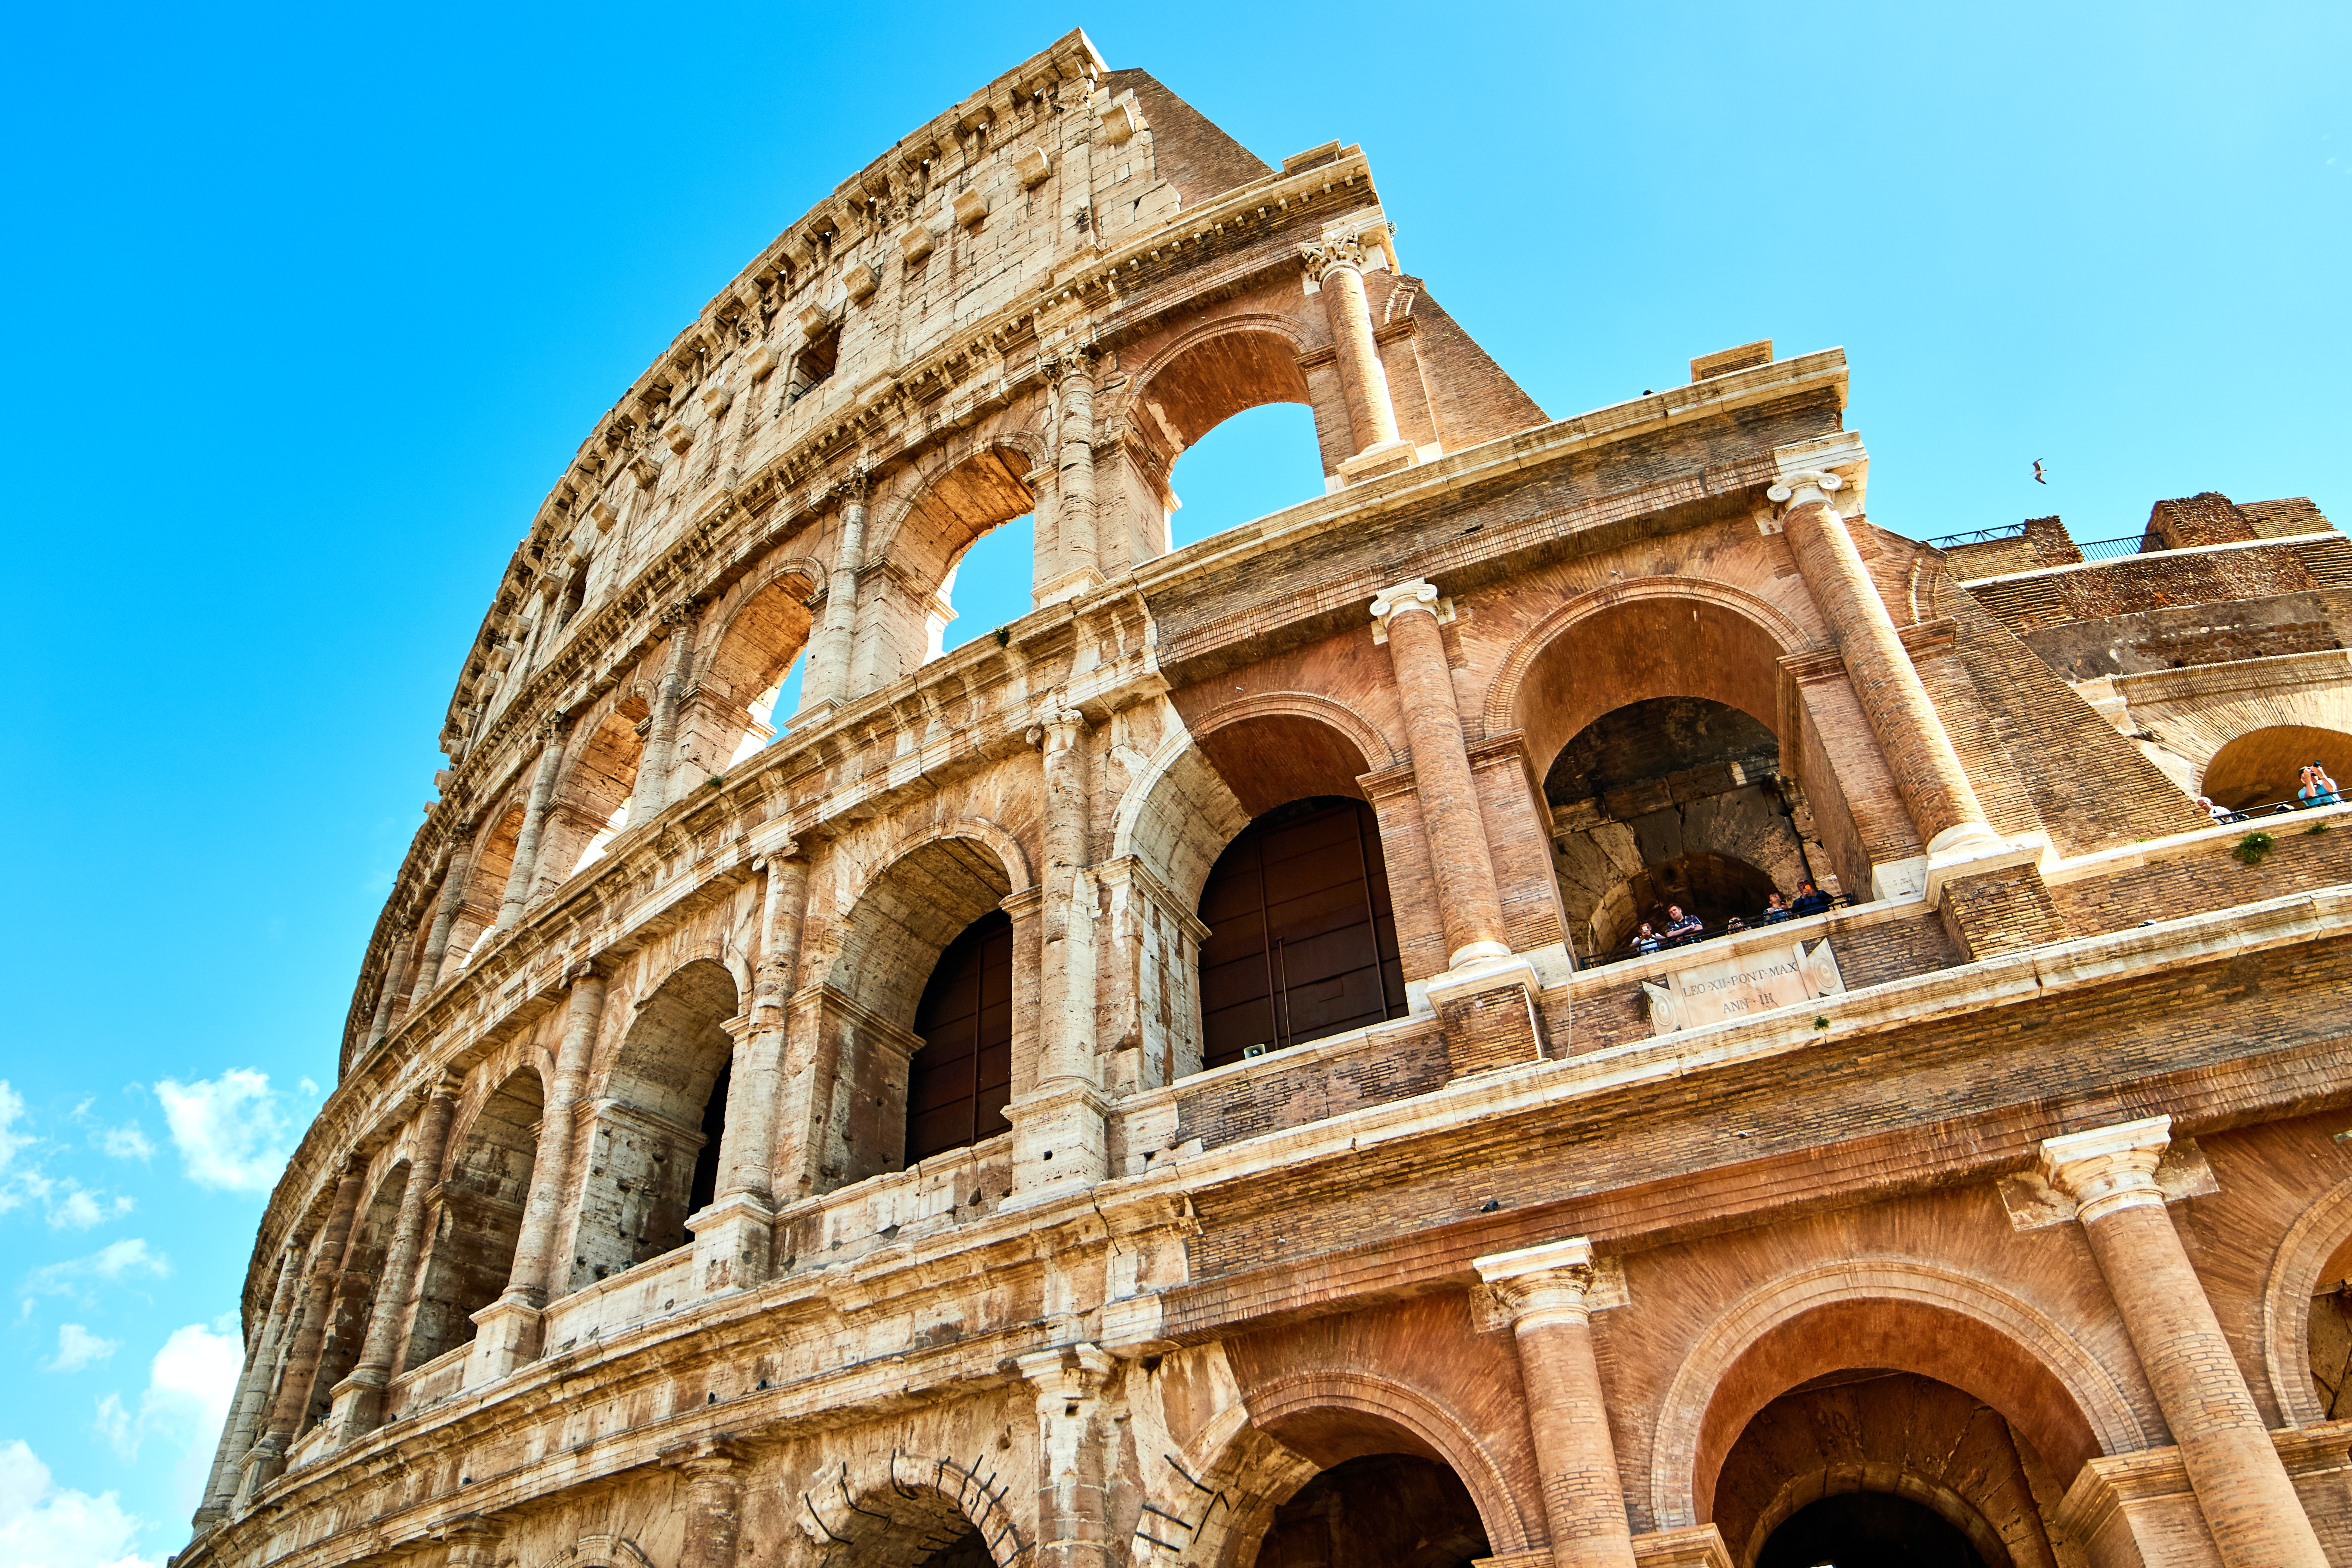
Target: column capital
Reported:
[(2109, 1168), (1341, 250), (1066, 1371), (1058, 728), (1418, 593), (705, 1459), (851, 489), (1541, 1283), (1803, 487)]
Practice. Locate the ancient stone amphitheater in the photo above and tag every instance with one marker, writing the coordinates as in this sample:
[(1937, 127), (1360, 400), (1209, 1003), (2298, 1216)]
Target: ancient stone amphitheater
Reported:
[(1179, 1079)]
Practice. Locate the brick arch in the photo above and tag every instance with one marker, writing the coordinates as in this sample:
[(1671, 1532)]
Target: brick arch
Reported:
[(908, 1506), (1615, 626), (1211, 373), (2316, 1234), (1176, 816), (1305, 1401), (600, 1551), (1892, 1313)]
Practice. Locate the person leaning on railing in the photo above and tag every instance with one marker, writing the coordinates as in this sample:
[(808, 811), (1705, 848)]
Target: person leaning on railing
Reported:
[(1812, 900)]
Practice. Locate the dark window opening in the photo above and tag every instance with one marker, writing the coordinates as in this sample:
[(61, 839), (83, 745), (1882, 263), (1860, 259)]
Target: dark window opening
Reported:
[(815, 362), (1868, 1527), (714, 1130), (968, 1550), (1302, 942), (959, 1082), (574, 595)]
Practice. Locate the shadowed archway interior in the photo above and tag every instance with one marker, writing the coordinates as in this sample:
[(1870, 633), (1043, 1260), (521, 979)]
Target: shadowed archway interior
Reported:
[(958, 1082)]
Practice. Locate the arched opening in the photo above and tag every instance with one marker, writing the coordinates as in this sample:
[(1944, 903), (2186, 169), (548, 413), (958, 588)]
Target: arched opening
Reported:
[(933, 546), (1302, 938), (1256, 462), (901, 955), (2329, 1333), (1875, 1465), (486, 888), (908, 1521), (1889, 1398), (354, 1298), (731, 714), (592, 804), (1870, 1527), (663, 1106), (479, 1219), (960, 1078), (1673, 803), (2264, 767), (1382, 1498), (1213, 378)]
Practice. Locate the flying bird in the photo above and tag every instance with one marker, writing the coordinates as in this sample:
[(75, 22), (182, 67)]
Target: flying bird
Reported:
[(2037, 472)]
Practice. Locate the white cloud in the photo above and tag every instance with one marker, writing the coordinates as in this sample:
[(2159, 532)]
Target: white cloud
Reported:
[(127, 1142), (13, 1188), (230, 1130), (44, 1526), (189, 1386), (77, 1209), (78, 1348), (111, 1264)]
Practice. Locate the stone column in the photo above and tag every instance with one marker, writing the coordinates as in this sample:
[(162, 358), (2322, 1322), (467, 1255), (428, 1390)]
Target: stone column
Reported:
[(268, 1459), (534, 824), (714, 1499), (1405, 617), (1080, 563), (731, 1237), (1059, 1141), (1072, 1450), (444, 916), (506, 1330), (359, 1398), (1927, 773), (653, 790), (1549, 1291), (826, 682), (1337, 268), (252, 1392), (472, 1542), (2233, 1466), (395, 985)]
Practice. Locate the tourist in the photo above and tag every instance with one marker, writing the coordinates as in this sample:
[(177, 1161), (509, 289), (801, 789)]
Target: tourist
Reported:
[(2218, 813), (1776, 910), (1811, 901), (1681, 927), (1647, 940), (2317, 789)]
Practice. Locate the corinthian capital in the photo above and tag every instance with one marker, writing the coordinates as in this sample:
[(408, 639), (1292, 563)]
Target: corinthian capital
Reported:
[(1335, 252)]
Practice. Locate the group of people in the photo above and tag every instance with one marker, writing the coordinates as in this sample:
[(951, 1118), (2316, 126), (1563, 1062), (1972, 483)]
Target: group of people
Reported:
[(2315, 788), (1683, 928)]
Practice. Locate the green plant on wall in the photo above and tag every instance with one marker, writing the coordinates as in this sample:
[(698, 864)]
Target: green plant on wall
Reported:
[(2252, 848)]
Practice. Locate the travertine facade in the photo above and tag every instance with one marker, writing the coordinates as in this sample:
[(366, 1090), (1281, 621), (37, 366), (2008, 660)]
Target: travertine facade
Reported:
[(1166, 1083)]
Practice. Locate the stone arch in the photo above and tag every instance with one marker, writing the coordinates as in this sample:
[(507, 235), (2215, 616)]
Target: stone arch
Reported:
[(592, 797), (740, 662), (485, 880), (933, 887), (918, 1504), (1307, 1401), (476, 1217), (355, 1299), (1966, 1332), (1213, 372), (656, 1127), (2263, 767), (943, 486), (1176, 816), (1624, 620), (600, 1551), (2195, 714), (2318, 1233)]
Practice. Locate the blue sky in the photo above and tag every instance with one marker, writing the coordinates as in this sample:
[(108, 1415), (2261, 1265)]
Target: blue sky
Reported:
[(305, 310)]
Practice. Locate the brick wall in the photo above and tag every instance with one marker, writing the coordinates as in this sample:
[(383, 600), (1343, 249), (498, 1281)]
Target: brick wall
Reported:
[(1297, 1092), (2210, 877), (2146, 583)]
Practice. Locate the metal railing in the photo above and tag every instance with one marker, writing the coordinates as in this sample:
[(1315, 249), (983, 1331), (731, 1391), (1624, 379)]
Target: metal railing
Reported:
[(1978, 536), (1626, 953), (2113, 549)]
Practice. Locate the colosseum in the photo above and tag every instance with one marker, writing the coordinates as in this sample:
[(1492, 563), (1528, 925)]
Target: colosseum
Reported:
[(1573, 1000)]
